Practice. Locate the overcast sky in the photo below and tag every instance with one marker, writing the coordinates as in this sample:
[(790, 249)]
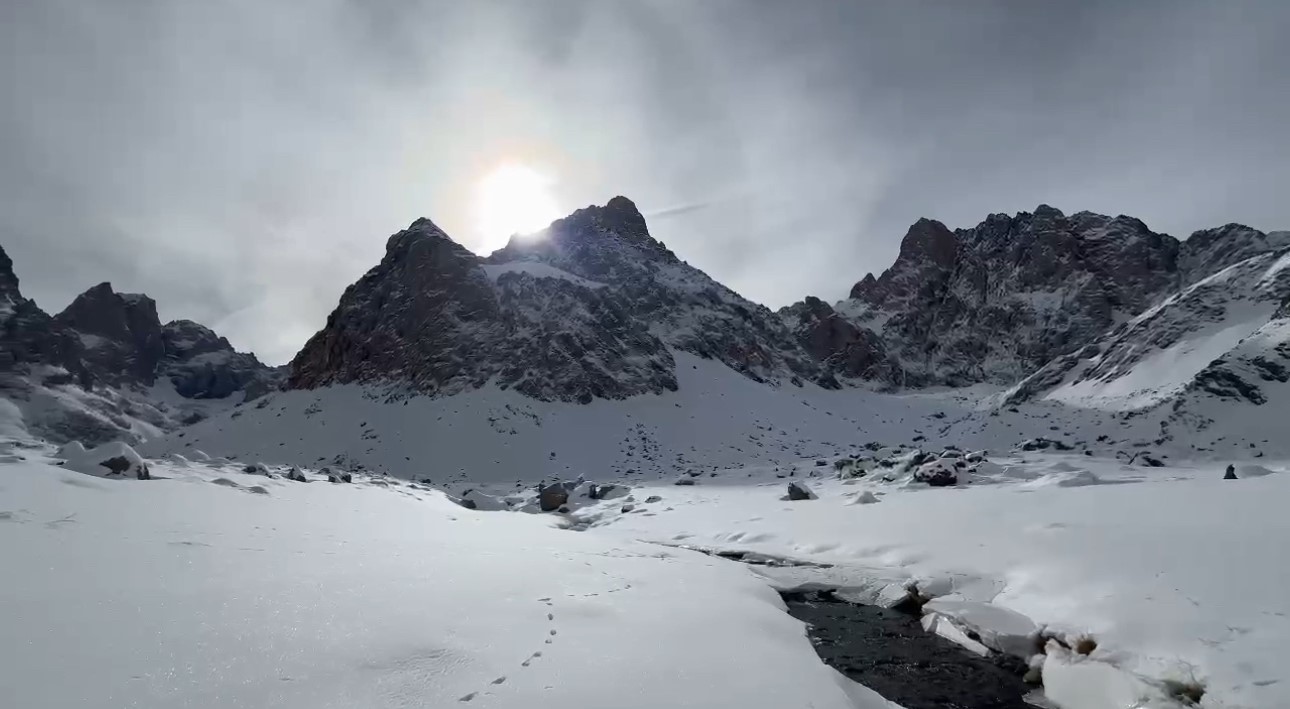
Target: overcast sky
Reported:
[(243, 162)]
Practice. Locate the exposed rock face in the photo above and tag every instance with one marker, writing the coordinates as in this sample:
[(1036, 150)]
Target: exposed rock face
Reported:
[(110, 348), (203, 365), (1001, 300), (842, 347), (683, 306), (1241, 307), (430, 316), (586, 310), (120, 334), (28, 335)]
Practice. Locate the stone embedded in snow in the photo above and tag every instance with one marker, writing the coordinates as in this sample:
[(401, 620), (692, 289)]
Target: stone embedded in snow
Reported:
[(684, 481), (338, 477), (107, 460), (296, 475), (975, 457), (256, 469), (552, 497), (1043, 444), (476, 500), (1231, 473), (653, 498), (938, 473), (607, 491), (864, 498), (799, 491)]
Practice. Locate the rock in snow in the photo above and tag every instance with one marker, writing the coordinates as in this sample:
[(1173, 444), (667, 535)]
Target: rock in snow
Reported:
[(108, 460), (799, 491)]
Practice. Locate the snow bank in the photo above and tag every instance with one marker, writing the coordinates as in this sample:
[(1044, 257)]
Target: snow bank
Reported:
[(114, 459), (1176, 577), (341, 596)]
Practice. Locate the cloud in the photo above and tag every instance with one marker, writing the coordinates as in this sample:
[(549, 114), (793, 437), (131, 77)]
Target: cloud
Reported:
[(242, 162)]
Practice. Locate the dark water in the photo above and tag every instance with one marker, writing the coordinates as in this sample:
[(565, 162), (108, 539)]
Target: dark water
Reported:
[(889, 652)]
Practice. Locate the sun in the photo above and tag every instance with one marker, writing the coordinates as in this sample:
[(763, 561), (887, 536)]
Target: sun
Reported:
[(512, 199)]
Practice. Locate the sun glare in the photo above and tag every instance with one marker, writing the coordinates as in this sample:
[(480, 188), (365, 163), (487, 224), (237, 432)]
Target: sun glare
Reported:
[(512, 199)]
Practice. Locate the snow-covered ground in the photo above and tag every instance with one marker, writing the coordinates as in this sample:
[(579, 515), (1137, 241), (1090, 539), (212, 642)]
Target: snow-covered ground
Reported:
[(1177, 575), (718, 419), (209, 587)]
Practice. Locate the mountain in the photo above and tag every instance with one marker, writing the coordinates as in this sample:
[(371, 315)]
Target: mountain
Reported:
[(106, 367), (592, 346), (592, 308), (1001, 300)]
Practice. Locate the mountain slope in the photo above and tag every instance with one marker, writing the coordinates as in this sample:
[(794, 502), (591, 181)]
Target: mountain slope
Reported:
[(105, 368), (591, 308), (1157, 354), (999, 301)]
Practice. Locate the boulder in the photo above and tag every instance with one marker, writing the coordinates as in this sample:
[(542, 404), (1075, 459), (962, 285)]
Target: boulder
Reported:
[(684, 481), (1231, 473), (799, 491), (607, 491), (552, 497), (296, 475), (938, 473)]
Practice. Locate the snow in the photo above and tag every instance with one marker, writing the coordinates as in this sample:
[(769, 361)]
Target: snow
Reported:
[(91, 462), (537, 269), (1164, 373), (1179, 577), (186, 591), (717, 420)]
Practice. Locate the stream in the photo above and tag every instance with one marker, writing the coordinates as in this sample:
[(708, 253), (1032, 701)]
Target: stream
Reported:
[(889, 652)]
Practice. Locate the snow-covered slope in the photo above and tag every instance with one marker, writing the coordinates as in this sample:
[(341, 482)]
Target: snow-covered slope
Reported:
[(717, 418), (207, 587), (1177, 577), (1210, 338)]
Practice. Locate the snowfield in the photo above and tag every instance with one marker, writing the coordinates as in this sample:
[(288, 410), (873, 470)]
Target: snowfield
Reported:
[(209, 587), (1179, 577)]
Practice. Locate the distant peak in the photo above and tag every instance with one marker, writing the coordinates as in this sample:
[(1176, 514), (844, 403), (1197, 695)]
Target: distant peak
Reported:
[(421, 230), (622, 204), (1049, 212)]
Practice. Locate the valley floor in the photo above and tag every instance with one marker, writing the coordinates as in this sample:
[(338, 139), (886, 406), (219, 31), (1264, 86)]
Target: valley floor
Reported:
[(211, 587)]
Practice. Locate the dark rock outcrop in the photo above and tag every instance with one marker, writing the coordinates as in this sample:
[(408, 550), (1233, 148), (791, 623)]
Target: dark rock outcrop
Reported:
[(843, 348), (799, 491), (1001, 300), (202, 365), (592, 308)]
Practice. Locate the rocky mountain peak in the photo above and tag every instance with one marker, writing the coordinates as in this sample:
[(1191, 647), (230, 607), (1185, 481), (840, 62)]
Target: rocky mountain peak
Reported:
[(928, 252), (121, 334), (592, 307), (996, 301), (8, 280)]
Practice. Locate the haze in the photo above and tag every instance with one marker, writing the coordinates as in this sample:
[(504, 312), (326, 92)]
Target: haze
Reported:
[(243, 162)]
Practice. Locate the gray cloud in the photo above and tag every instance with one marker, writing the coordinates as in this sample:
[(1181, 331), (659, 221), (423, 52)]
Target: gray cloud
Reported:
[(243, 162)]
